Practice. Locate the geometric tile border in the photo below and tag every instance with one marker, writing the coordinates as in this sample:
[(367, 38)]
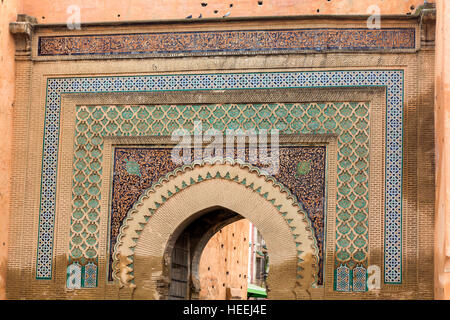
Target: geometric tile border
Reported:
[(392, 80), (233, 41)]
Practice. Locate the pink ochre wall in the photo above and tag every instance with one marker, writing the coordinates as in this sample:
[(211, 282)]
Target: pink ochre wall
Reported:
[(8, 13), (442, 138), (51, 11)]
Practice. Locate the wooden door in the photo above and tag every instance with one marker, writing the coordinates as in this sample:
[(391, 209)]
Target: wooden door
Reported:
[(180, 270)]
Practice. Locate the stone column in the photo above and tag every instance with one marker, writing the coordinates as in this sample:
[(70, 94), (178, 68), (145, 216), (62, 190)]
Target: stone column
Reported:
[(442, 136)]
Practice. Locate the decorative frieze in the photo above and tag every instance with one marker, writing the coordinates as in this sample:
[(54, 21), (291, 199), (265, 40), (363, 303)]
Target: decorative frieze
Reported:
[(230, 42)]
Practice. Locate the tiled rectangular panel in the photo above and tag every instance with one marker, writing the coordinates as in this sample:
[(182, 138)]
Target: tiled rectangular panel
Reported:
[(392, 80)]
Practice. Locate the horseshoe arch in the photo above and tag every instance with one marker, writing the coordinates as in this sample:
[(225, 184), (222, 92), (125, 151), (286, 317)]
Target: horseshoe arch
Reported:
[(141, 255)]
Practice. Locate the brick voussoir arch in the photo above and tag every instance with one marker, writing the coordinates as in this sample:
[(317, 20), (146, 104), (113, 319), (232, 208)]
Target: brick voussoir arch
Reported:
[(252, 178)]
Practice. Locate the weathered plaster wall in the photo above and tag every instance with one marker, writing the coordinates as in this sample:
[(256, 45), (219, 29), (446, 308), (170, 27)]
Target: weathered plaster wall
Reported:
[(8, 12), (442, 116), (50, 11)]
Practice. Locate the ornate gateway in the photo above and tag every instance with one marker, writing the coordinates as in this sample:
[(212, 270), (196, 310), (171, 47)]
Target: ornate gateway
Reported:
[(103, 204)]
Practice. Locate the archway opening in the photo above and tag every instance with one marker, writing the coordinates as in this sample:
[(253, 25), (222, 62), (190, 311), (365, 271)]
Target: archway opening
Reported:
[(234, 264), (214, 256), (195, 212)]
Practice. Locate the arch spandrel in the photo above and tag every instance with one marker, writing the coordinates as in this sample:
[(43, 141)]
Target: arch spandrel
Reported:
[(234, 186)]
